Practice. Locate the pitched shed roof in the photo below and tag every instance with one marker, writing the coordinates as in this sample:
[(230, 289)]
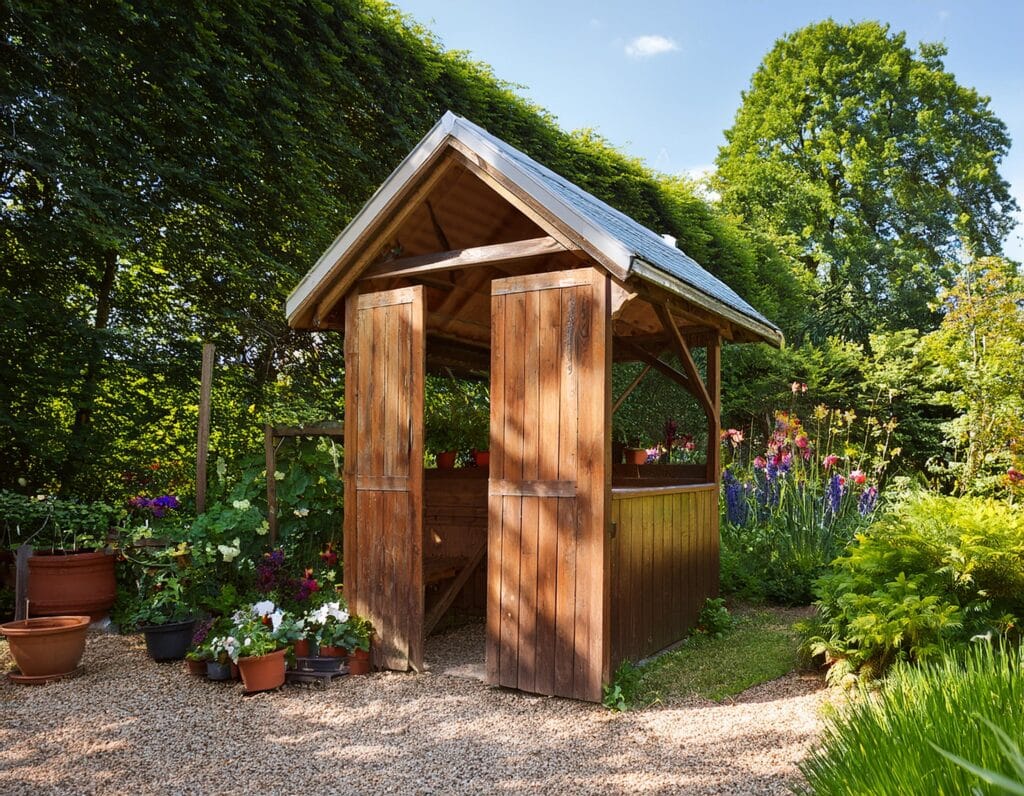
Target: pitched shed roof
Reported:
[(634, 249)]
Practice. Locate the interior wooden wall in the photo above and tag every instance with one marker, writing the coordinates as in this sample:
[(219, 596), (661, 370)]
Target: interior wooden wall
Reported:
[(454, 523), (664, 564), (550, 473)]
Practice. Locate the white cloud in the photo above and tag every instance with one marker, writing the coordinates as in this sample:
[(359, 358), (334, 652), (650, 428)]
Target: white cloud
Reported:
[(648, 46)]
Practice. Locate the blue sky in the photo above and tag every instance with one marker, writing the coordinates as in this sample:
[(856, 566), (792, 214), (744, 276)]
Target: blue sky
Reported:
[(661, 80)]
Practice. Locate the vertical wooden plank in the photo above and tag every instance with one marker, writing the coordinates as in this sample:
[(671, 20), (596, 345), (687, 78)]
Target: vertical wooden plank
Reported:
[(568, 434), (678, 553), (530, 506), (412, 466), (713, 382), (349, 543), (22, 609), (495, 527), (514, 386), (586, 560), (270, 459), (203, 432), (550, 319)]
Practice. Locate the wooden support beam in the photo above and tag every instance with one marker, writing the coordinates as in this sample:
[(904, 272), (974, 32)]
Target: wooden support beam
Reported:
[(714, 370), (686, 358), (271, 462), (646, 356), (438, 229), (21, 606), (465, 258), (444, 603), (632, 386), (203, 434)]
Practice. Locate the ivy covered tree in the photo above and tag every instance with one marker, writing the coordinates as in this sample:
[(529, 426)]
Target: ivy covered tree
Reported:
[(871, 168)]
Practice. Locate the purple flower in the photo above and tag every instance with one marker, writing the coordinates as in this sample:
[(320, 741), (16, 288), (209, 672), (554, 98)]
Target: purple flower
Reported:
[(866, 502), (270, 571), (834, 494), (737, 509)]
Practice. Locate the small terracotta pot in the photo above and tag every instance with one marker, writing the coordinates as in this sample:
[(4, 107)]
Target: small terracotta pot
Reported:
[(61, 584), (263, 672), (446, 460), (236, 673), (301, 648), (333, 652), (359, 662), (195, 668), (50, 646), (636, 456), (482, 458)]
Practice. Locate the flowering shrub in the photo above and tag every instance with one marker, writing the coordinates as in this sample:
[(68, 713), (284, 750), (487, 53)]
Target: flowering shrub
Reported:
[(791, 508), (259, 630)]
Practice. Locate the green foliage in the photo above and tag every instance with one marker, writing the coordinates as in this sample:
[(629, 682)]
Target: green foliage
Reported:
[(978, 346), (163, 599), (52, 523), (714, 620), (871, 168), (456, 415), (932, 571), (760, 646), (893, 741), (621, 691), (1011, 752)]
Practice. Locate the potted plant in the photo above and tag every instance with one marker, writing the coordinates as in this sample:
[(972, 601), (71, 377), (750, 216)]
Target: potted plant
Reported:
[(199, 654), (360, 632), (69, 572), (166, 618), (328, 624), (218, 665), (262, 636)]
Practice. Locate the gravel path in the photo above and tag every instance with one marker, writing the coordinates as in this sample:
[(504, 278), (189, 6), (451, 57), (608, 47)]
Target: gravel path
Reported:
[(129, 725)]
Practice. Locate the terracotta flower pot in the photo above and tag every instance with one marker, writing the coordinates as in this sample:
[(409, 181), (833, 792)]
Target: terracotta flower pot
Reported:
[(327, 651), (263, 672), (482, 458), (62, 584), (50, 646), (195, 668), (636, 456), (301, 648), (446, 460), (359, 662)]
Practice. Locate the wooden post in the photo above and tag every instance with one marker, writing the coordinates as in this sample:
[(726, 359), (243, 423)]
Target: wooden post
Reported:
[(203, 435), (714, 388), (21, 581), (271, 459)]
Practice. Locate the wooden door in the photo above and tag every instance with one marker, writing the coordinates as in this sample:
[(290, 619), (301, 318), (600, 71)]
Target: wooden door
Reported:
[(383, 545), (547, 607)]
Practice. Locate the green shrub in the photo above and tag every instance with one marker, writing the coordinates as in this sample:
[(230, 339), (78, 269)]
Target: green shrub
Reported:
[(891, 742), (714, 620), (933, 570)]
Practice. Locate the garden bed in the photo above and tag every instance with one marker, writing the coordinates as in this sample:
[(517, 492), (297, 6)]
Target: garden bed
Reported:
[(128, 724)]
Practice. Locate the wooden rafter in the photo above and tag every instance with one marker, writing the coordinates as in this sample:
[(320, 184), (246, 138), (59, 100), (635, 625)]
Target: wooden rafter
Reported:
[(632, 386), (465, 258), (651, 359), (686, 358)]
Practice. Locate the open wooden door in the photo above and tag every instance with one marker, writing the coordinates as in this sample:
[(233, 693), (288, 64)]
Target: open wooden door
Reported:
[(383, 546), (547, 607)]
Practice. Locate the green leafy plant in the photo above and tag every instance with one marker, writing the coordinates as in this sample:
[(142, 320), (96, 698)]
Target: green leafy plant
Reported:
[(714, 620), (932, 571), (51, 523), (914, 733), (164, 601), (620, 692)]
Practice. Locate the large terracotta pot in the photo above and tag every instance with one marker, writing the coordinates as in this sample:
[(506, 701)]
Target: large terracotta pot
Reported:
[(47, 647), (61, 584), (482, 458), (262, 672), (446, 460)]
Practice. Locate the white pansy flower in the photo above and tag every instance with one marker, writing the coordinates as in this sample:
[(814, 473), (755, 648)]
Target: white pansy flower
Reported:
[(276, 619), (330, 575), (264, 608)]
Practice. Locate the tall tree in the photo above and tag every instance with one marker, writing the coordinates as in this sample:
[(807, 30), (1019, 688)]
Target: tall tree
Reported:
[(872, 168)]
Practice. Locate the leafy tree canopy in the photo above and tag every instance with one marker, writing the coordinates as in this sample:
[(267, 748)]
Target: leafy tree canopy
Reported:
[(871, 167)]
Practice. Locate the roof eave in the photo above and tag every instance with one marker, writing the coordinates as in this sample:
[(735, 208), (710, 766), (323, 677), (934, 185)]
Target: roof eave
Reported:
[(760, 328)]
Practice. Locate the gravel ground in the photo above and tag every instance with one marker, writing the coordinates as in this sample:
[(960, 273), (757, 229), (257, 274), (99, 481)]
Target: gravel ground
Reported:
[(131, 725)]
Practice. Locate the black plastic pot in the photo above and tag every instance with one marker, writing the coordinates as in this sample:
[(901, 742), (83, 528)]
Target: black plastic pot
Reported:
[(218, 671), (169, 642)]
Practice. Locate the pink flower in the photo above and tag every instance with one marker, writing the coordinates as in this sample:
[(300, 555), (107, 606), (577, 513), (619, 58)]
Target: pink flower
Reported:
[(733, 435), (858, 477), (760, 462), (689, 445), (1015, 476), (802, 441), (829, 460)]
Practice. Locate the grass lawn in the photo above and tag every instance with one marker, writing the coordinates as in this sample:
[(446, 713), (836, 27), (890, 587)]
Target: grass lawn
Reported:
[(761, 646)]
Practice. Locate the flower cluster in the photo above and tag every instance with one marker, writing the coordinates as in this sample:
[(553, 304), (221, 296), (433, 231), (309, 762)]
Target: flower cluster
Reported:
[(158, 506)]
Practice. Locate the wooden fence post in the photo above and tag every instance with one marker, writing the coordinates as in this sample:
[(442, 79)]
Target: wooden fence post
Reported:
[(268, 445), (203, 436), (21, 582)]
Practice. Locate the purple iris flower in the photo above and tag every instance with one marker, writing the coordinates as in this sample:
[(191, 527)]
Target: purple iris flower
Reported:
[(866, 502)]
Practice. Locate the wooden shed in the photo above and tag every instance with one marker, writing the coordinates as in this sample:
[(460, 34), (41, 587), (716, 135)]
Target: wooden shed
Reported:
[(474, 258)]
